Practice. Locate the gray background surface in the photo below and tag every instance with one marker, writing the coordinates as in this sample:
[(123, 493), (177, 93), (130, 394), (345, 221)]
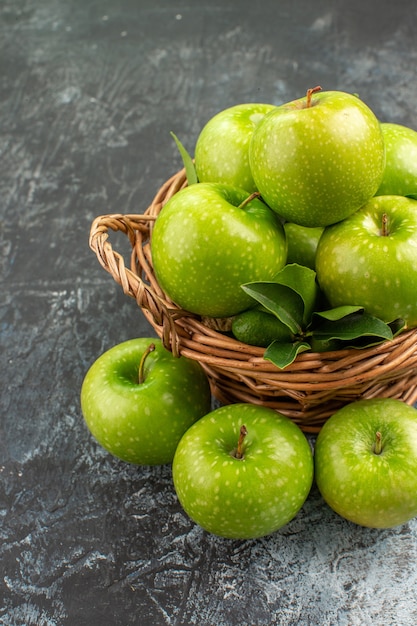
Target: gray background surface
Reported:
[(89, 92)]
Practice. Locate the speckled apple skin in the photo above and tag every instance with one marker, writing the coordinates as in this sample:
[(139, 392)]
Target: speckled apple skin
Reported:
[(400, 173), (222, 148), (317, 165), (143, 423), (356, 265), (249, 497), (204, 248), (373, 490)]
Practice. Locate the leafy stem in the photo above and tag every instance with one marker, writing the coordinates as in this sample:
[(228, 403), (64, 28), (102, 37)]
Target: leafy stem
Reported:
[(377, 443), (251, 197), (294, 298), (384, 226), (238, 453), (310, 93), (141, 375)]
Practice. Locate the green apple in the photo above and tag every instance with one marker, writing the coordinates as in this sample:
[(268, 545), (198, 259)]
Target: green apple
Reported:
[(318, 159), (370, 259), (243, 471), (366, 462), (138, 400), (258, 327), (302, 244), (208, 240), (222, 148), (400, 173)]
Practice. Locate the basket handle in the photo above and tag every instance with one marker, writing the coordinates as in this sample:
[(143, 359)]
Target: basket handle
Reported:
[(138, 281), (109, 259)]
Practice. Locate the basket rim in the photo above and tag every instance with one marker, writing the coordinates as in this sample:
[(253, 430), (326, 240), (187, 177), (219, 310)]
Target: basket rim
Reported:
[(132, 282)]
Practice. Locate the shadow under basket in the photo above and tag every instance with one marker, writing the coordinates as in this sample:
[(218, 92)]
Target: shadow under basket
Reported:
[(308, 391)]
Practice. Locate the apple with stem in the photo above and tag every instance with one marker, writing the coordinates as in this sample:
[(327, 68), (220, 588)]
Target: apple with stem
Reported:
[(138, 400), (222, 148), (318, 159), (370, 259), (366, 462), (243, 471), (208, 240)]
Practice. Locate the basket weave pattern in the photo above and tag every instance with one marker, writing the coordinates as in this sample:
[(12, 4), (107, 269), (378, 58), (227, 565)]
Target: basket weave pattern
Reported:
[(308, 391)]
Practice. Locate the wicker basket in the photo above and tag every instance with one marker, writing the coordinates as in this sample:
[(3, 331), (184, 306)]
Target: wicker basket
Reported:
[(308, 391)]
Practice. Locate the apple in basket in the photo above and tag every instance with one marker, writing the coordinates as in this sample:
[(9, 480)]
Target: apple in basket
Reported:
[(222, 148), (243, 471), (400, 173), (302, 244), (318, 159), (366, 462), (370, 259), (208, 240), (138, 400)]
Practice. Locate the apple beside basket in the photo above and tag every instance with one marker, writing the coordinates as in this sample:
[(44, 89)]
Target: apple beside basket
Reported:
[(308, 391)]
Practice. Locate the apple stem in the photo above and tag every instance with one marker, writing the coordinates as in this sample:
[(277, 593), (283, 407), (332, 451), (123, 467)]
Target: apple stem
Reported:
[(378, 443), (246, 201), (310, 93), (239, 450), (148, 350), (384, 225)]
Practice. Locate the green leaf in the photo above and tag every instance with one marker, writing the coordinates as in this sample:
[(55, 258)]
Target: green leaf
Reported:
[(302, 280), (397, 326), (337, 313), (279, 300), (282, 354), (188, 162), (355, 326), (325, 345)]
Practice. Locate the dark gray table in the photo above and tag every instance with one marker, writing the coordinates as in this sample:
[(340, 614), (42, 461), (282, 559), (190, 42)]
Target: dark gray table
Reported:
[(89, 92)]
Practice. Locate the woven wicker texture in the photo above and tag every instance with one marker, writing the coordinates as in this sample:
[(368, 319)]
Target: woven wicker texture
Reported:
[(308, 391)]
